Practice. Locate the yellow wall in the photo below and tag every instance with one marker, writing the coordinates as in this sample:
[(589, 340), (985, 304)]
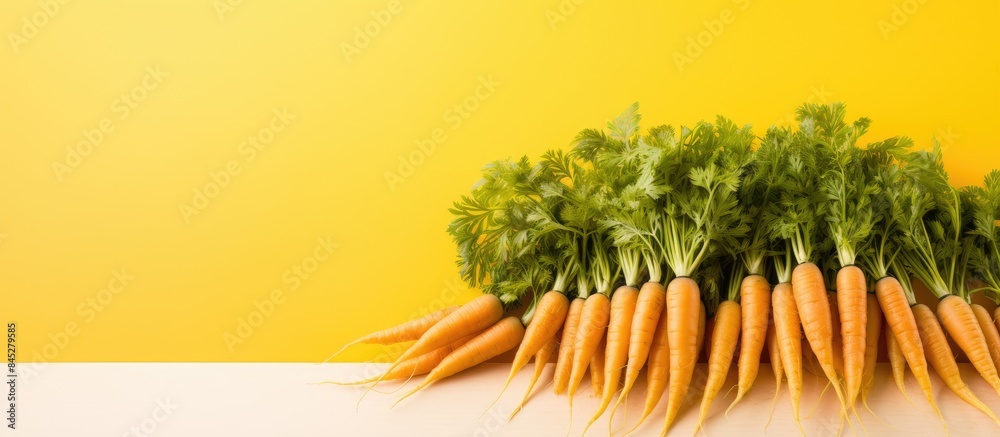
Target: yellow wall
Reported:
[(204, 76)]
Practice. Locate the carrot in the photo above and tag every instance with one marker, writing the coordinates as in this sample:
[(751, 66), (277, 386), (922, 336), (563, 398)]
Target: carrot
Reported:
[(548, 317), (408, 331), (817, 322), (872, 332), (472, 317), (809, 361), (836, 340), (996, 319), (657, 368), (623, 306), (596, 367), (940, 356), (903, 327), (852, 290), (648, 309), (788, 333), (475, 316), (564, 362), (989, 331), (958, 319), (724, 337), (896, 358), (589, 333), (685, 318), (755, 300), (701, 328), (413, 366), (541, 359), (706, 344), (774, 355), (495, 340)]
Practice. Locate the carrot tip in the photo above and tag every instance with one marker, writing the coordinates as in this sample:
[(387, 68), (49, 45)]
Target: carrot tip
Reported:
[(342, 349), (739, 396)]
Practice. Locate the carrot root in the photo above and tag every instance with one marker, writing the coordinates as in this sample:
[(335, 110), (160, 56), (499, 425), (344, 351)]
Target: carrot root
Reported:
[(958, 319), (724, 338), (495, 340), (940, 356), (755, 301)]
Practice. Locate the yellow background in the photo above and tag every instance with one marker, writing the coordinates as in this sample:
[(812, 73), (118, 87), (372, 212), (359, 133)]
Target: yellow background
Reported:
[(325, 174)]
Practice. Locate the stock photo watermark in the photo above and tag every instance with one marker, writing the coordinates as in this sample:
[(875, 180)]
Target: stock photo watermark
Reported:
[(366, 33), (293, 278), (453, 118), (223, 7), (562, 12), (33, 23), (817, 95), (87, 311), (12, 375), (945, 136), (900, 15), (491, 423), (162, 410), (712, 30), (248, 150), (121, 108)]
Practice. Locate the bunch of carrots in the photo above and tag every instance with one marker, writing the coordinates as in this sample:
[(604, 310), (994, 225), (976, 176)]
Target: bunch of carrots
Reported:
[(802, 243)]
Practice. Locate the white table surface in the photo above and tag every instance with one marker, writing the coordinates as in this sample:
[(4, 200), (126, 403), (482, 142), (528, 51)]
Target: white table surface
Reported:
[(206, 399)]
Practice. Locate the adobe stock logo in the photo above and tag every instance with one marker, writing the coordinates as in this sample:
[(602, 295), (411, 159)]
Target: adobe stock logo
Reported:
[(123, 107), (455, 117), (249, 149), (364, 34), (30, 27)]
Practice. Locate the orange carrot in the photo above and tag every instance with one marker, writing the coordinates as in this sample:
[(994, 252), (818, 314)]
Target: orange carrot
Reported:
[(541, 359), (989, 331), (809, 361), (649, 306), (547, 319), (706, 345), (788, 333), (597, 367), (472, 317), (958, 319), (817, 321), (896, 358), (872, 332), (413, 366), (836, 340), (684, 309), (701, 329), (903, 325), (623, 305), (657, 368), (774, 354), (495, 340), (996, 319), (755, 300), (852, 289), (408, 331), (564, 363), (589, 333), (475, 316), (940, 356), (724, 338)]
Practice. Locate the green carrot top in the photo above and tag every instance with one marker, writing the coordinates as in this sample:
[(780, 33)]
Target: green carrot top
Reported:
[(931, 219), (983, 204)]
